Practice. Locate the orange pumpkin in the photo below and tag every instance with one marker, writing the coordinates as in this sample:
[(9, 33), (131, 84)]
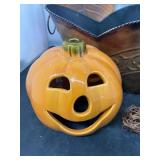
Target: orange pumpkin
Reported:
[(74, 85)]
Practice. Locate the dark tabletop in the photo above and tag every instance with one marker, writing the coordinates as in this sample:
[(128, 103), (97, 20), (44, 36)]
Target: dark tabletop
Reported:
[(111, 140)]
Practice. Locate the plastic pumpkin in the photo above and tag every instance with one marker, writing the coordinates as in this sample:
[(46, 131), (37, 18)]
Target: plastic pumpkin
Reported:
[(74, 88)]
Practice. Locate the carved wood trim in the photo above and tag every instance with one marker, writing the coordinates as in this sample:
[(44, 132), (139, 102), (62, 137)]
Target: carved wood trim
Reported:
[(128, 61)]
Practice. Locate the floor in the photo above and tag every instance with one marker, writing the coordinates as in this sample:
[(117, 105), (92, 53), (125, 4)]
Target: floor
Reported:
[(111, 140)]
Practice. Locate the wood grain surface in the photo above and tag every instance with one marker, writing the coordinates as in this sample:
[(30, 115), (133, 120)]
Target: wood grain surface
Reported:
[(95, 11)]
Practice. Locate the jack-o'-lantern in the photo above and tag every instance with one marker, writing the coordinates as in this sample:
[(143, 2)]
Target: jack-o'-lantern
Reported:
[(74, 88)]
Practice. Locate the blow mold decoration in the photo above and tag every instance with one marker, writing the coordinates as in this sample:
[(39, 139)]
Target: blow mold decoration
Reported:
[(74, 88)]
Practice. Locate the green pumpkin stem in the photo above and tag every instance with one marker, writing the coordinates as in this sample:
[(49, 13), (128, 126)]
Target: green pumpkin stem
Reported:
[(74, 46)]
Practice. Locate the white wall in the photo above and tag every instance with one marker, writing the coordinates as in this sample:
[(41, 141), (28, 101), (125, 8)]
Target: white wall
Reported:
[(33, 33), (119, 6)]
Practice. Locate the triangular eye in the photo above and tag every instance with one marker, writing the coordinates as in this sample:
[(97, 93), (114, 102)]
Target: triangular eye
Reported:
[(94, 80), (60, 82)]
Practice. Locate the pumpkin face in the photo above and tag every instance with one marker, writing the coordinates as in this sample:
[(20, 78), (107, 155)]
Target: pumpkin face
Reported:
[(67, 89)]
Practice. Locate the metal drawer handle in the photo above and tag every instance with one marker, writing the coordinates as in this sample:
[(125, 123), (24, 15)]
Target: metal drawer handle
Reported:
[(48, 26)]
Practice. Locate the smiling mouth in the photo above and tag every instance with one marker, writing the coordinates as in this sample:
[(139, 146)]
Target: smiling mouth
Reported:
[(75, 125)]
